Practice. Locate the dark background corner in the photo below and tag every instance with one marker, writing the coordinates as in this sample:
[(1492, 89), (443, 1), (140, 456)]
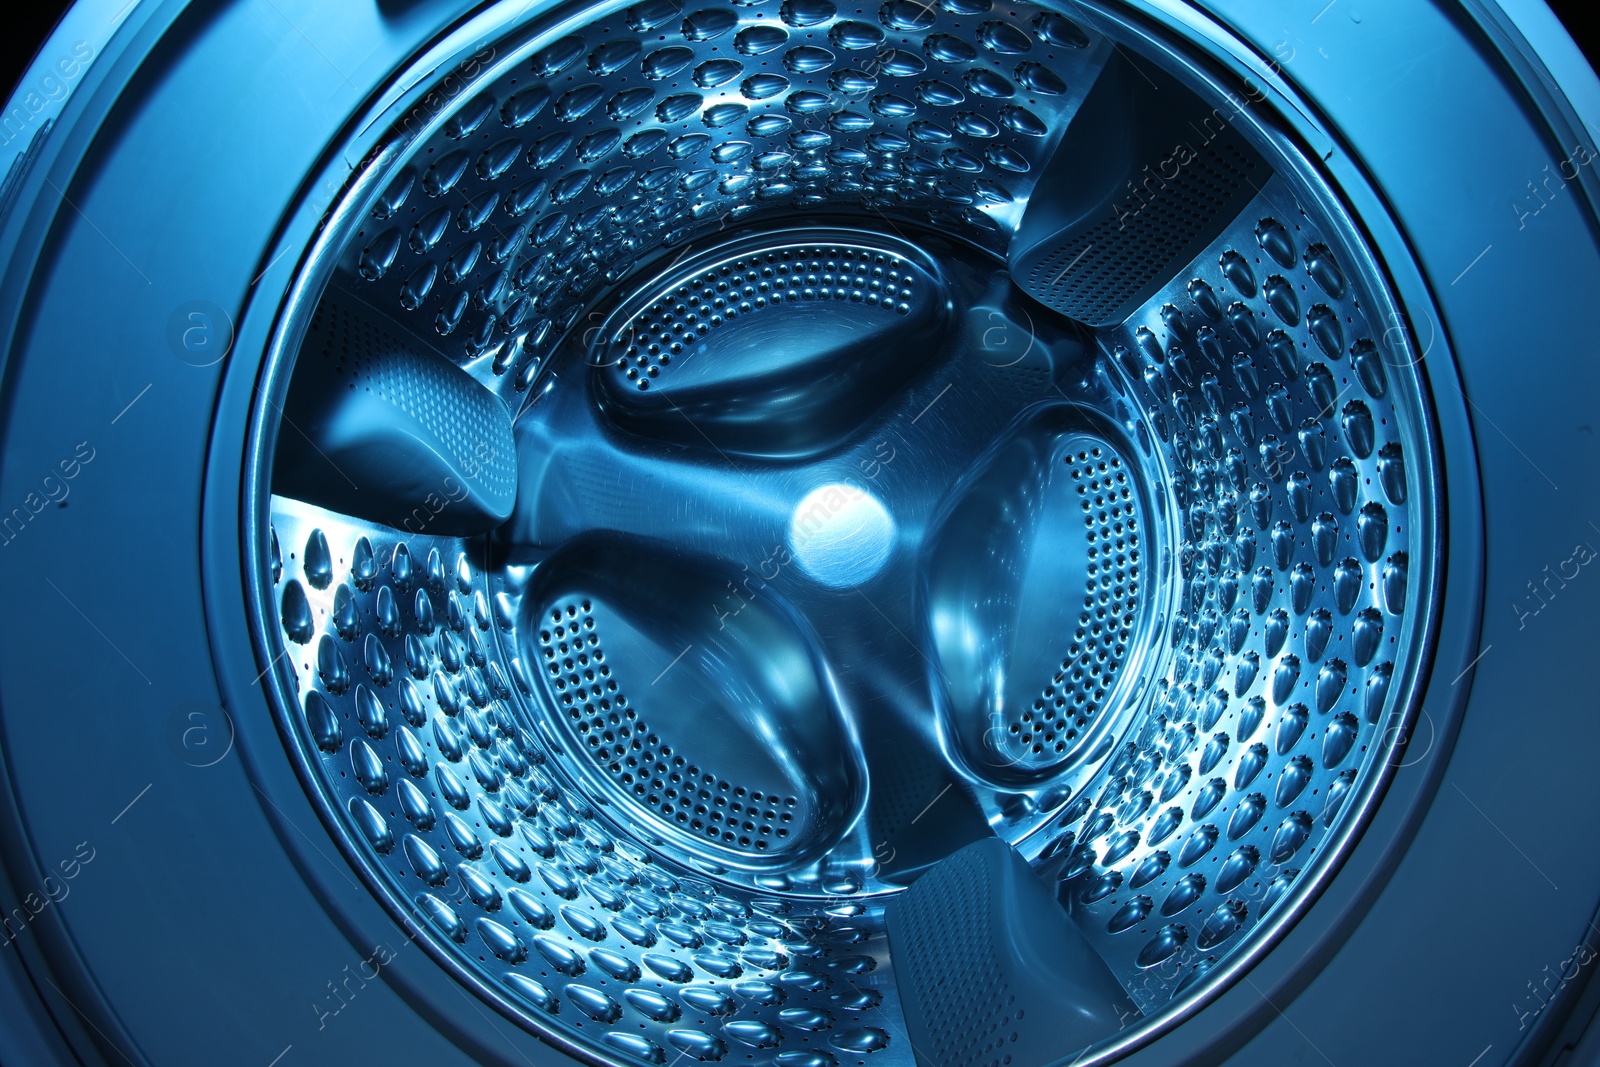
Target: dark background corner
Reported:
[(1582, 20)]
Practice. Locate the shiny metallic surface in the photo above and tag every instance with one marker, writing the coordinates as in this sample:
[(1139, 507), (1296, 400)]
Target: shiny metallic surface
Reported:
[(386, 429), (740, 742), (716, 355), (831, 551), (1032, 595), (1297, 515), (841, 535)]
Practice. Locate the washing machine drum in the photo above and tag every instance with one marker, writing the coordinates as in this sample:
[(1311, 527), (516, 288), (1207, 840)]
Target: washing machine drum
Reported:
[(778, 533)]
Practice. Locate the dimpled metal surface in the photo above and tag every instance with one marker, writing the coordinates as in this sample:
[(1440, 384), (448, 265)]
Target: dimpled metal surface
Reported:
[(1250, 440), (1285, 420), (411, 706), (666, 121)]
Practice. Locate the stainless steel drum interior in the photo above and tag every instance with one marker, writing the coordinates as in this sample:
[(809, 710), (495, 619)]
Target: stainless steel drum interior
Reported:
[(744, 456)]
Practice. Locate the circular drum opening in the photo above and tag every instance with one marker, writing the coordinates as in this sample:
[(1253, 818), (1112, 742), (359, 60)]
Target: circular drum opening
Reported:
[(800, 533)]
